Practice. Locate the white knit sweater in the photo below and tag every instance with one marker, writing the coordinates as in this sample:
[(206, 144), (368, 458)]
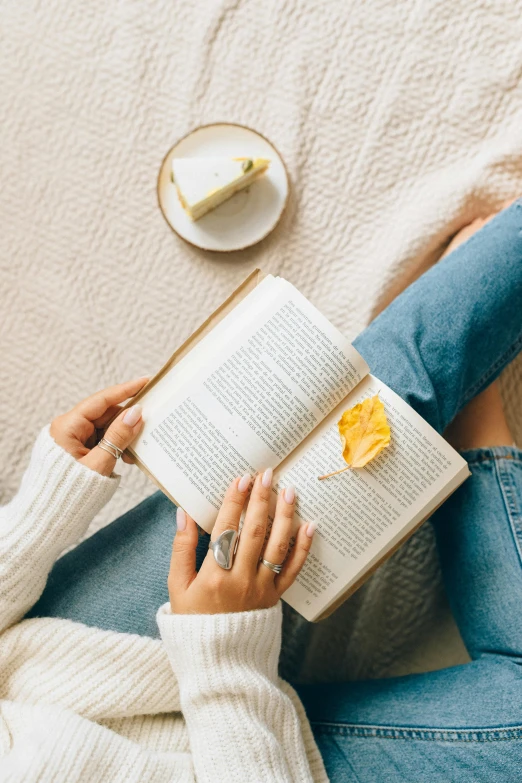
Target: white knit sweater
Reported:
[(81, 704)]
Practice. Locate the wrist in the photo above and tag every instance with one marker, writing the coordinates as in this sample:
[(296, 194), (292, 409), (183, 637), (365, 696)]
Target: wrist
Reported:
[(212, 645)]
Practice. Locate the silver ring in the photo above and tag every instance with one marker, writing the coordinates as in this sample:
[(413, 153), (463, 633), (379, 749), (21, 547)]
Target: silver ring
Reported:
[(224, 548), (106, 445), (272, 566)]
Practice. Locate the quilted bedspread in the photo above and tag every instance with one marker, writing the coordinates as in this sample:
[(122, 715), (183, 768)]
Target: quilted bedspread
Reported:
[(399, 120)]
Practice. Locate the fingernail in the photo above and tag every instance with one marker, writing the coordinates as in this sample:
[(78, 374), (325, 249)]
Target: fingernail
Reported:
[(181, 520), (132, 416), (266, 481), (289, 494), (244, 482), (310, 529)]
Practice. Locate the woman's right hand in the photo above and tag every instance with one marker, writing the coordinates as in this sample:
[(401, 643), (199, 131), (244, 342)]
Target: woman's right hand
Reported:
[(248, 584)]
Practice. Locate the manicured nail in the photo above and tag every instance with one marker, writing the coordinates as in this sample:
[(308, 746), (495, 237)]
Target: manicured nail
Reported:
[(266, 481), (181, 520), (289, 494), (244, 482), (132, 416), (310, 529)]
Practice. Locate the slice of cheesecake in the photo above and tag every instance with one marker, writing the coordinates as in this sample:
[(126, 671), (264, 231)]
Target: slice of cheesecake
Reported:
[(204, 183)]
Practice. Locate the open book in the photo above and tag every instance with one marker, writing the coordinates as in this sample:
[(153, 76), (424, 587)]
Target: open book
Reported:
[(262, 384)]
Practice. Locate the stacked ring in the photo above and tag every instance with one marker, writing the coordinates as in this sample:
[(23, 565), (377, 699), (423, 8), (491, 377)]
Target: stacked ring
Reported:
[(277, 568), (106, 445)]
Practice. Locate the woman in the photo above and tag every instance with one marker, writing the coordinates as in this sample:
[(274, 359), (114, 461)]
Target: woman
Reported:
[(85, 697)]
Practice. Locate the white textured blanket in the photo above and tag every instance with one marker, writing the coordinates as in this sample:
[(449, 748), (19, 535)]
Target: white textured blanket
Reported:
[(399, 123)]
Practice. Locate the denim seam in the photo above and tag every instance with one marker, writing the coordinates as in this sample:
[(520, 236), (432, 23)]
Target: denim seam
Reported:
[(514, 513), (500, 734), (493, 458), (504, 359)]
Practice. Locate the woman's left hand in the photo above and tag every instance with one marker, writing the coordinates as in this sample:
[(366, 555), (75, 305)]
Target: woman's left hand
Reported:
[(80, 430)]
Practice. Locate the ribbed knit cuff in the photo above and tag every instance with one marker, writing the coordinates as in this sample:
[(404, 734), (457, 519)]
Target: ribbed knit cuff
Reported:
[(58, 493), (214, 648)]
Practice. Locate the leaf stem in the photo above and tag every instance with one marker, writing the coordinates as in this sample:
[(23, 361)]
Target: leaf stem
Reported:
[(335, 473)]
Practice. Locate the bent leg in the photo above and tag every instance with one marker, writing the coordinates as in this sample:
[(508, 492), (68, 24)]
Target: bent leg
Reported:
[(479, 537), (450, 334), (462, 723)]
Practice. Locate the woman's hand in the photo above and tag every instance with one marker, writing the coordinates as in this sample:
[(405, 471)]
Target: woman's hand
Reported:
[(248, 584), (80, 430)]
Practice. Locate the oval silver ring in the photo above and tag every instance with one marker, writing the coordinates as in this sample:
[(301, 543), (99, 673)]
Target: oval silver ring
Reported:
[(224, 548)]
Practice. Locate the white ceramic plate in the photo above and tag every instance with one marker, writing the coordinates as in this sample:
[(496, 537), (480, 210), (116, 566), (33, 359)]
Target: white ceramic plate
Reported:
[(249, 215)]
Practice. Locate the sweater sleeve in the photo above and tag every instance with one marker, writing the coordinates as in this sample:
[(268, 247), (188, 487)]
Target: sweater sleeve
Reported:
[(57, 500), (245, 724)]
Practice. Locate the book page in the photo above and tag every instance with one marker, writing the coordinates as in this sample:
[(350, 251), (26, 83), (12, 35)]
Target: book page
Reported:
[(249, 401), (362, 513), (181, 372)]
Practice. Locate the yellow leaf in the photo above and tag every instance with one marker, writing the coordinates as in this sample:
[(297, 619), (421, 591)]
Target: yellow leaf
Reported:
[(364, 432)]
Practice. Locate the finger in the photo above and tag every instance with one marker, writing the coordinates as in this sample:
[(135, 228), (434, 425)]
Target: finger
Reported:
[(110, 414), (100, 424), (277, 545), (254, 527), (232, 508), (95, 406), (296, 558), (121, 433), (183, 560)]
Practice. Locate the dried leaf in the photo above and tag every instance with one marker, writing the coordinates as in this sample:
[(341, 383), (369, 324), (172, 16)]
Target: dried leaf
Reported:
[(364, 432)]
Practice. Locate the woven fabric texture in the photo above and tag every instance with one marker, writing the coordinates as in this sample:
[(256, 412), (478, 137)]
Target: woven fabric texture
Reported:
[(399, 122)]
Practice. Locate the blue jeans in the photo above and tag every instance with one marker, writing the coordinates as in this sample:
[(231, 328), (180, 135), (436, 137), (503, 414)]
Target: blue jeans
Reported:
[(439, 344)]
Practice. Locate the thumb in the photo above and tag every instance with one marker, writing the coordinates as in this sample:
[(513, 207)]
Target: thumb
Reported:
[(121, 433), (183, 561)]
